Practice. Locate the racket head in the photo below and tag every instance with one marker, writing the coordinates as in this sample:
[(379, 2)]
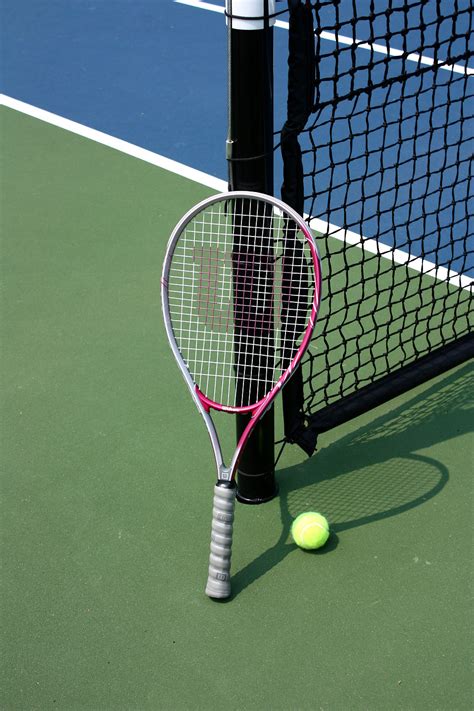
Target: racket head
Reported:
[(241, 287)]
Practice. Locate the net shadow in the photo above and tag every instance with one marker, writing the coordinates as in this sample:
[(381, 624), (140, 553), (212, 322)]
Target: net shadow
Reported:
[(377, 472)]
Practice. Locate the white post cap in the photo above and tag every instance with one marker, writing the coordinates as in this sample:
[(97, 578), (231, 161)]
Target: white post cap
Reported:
[(251, 9)]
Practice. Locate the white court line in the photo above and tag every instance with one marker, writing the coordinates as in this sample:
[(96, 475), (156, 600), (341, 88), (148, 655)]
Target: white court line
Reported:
[(352, 42), (118, 144), (396, 255), (352, 238)]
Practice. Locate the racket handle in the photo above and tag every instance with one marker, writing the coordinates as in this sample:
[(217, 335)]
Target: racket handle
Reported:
[(218, 581)]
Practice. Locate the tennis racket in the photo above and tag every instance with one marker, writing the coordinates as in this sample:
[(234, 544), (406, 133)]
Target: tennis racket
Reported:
[(240, 295)]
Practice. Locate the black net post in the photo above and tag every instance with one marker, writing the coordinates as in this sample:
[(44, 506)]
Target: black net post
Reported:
[(250, 161)]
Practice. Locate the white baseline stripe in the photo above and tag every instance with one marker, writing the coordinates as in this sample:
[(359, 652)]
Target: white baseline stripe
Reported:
[(396, 255), (118, 144), (202, 5), (352, 238), (352, 41)]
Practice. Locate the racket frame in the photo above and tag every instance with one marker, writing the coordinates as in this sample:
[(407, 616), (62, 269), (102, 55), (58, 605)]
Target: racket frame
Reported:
[(218, 585), (203, 403)]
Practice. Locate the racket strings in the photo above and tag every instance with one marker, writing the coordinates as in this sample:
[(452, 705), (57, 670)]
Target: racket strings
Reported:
[(239, 298)]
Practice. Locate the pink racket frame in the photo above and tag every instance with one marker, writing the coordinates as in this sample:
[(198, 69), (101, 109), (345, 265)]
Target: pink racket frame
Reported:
[(203, 403)]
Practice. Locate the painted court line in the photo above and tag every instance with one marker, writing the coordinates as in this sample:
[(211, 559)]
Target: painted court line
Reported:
[(396, 255), (352, 238), (118, 144), (352, 42)]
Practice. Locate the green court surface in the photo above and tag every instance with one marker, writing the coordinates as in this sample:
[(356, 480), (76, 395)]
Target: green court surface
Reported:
[(108, 476)]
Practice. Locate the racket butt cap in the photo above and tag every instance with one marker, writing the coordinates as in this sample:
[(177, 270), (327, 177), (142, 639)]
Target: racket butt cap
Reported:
[(218, 589)]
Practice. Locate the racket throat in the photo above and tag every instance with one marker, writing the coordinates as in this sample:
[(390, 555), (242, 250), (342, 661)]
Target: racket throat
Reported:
[(224, 477)]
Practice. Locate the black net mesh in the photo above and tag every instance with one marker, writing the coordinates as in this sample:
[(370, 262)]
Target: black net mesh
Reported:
[(387, 166)]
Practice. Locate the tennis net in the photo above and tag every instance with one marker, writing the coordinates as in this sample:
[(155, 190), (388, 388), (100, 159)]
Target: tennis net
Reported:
[(377, 152)]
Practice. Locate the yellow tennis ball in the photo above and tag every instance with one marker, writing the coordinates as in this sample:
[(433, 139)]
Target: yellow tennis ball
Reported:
[(310, 530)]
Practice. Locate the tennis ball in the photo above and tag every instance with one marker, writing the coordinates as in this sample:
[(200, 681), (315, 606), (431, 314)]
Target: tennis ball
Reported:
[(310, 530)]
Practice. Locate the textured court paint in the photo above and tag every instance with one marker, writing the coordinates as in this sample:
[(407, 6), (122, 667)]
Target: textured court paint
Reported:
[(116, 143), (135, 70), (140, 71), (369, 245), (106, 514)]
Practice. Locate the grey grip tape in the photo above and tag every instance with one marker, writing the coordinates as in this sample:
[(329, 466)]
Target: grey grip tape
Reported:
[(218, 581)]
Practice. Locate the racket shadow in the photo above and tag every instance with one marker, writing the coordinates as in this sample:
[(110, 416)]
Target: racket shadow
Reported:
[(377, 472)]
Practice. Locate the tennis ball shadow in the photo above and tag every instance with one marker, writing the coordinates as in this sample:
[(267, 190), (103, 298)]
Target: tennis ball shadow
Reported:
[(329, 547), (275, 555), (372, 473)]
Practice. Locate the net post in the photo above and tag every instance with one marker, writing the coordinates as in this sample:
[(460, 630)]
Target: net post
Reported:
[(250, 167)]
